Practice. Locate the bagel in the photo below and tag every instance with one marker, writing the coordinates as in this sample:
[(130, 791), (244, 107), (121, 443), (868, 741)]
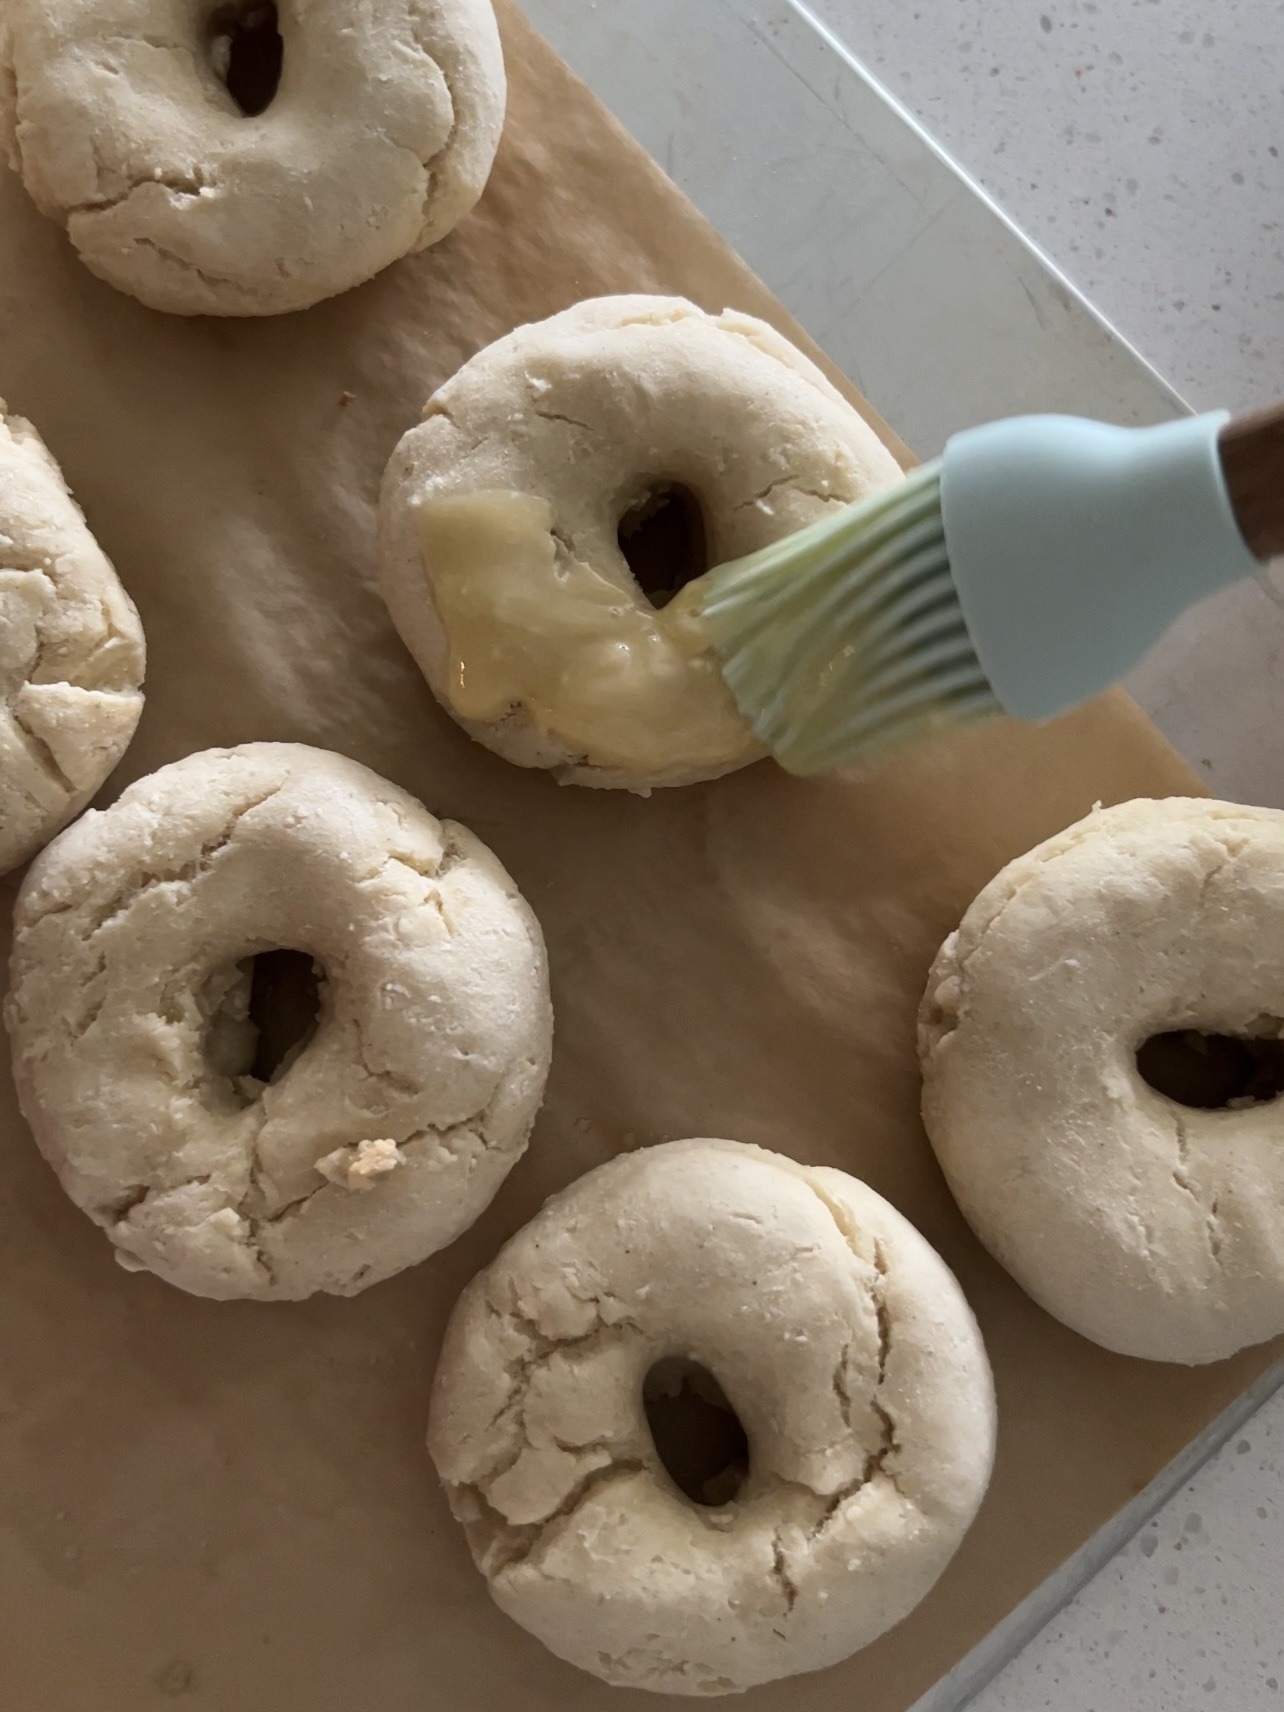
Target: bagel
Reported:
[(1133, 1210), (506, 515), (250, 158), (837, 1336), (71, 651), (134, 1048)]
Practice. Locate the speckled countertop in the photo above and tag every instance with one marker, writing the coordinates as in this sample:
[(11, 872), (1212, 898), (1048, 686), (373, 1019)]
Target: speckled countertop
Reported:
[(1141, 144), (1187, 1617)]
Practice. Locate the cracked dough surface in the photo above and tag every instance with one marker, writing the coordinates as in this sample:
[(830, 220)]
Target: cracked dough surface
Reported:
[(379, 140), (71, 651), (391, 1130), (1151, 1227), (839, 1337), (589, 411)]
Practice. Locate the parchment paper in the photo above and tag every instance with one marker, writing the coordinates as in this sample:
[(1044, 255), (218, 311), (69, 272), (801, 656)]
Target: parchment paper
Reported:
[(230, 1503)]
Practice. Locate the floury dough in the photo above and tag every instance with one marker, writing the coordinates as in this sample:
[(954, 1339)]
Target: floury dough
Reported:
[(71, 651), (840, 1339), (1150, 1226), (500, 556), (379, 139), (393, 1127)]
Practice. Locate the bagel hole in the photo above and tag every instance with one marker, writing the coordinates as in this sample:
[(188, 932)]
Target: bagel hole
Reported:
[(664, 541), (1214, 1072), (247, 53), (262, 1013), (696, 1432)]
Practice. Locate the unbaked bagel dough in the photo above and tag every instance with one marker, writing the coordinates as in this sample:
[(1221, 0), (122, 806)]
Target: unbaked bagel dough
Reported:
[(377, 142), (500, 557), (1152, 1227), (71, 651), (836, 1333), (393, 1127)]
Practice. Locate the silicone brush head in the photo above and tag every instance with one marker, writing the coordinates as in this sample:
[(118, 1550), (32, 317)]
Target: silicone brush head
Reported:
[(1024, 573), (847, 638)]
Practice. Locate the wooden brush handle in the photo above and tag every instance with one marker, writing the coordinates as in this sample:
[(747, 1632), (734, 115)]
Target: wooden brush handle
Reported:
[(1252, 449)]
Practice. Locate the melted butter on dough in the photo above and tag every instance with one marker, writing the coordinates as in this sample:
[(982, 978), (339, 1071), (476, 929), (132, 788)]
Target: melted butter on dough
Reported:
[(593, 663)]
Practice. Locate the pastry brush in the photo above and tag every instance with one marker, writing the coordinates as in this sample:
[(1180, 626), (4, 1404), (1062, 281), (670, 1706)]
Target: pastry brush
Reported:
[(1025, 570)]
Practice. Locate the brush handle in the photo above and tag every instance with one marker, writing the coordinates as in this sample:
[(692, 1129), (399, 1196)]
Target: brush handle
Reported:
[(1252, 456), (1074, 545)]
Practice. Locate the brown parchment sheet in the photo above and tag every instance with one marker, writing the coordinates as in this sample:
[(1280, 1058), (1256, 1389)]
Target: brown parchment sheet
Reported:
[(229, 1504)]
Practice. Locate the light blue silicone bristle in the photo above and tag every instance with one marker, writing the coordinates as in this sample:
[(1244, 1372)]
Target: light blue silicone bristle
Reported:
[(847, 637)]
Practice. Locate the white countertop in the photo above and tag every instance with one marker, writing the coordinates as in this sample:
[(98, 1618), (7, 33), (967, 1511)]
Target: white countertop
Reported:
[(1141, 144)]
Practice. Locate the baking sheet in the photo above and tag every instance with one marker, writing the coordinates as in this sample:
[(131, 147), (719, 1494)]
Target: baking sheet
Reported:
[(231, 1502)]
